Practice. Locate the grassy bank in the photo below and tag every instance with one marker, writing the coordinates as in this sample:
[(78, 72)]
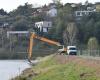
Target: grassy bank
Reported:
[(50, 68)]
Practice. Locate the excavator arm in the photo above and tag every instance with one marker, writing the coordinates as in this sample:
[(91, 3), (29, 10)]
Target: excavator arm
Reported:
[(34, 36)]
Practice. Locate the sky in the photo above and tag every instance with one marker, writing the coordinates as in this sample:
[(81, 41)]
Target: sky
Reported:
[(9, 5)]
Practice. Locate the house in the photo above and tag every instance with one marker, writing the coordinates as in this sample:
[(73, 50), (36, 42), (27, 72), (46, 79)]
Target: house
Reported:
[(43, 25), (52, 12), (4, 26), (47, 10), (85, 10), (37, 11), (40, 11)]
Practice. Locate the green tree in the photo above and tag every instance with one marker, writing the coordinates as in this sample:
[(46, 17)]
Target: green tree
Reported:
[(2, 12), (93, 47), (97, 30), (24, 10), (88, 29), (20, 25), (56, 1)]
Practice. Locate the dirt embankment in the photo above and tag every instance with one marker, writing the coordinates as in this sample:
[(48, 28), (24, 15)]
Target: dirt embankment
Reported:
[(81, 61), (88, 62)]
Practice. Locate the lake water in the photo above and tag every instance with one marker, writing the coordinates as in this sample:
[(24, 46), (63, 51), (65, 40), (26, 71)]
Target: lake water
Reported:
[(12, 68)]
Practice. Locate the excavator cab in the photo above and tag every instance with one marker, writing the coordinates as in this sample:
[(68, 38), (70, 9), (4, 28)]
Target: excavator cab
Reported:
[(62, 49)]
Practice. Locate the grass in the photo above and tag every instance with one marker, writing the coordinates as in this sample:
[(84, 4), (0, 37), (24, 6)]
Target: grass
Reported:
[(50, 69)]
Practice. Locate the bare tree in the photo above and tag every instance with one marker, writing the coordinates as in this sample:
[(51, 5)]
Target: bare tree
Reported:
[(70, 34)]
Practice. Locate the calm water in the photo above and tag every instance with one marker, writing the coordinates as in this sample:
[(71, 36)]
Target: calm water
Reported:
[(11, 68)]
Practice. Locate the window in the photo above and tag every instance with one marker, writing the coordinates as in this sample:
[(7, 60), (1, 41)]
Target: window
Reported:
[(78, 13), (48, 24), (72, 48), (89, 13), (44, 29), (60, 47), (83, 13)]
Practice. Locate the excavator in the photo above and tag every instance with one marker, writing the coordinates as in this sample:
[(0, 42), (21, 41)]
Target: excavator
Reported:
[(61, 48)]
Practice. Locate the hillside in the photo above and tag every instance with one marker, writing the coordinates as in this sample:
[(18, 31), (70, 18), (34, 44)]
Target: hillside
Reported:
[(61, 67)]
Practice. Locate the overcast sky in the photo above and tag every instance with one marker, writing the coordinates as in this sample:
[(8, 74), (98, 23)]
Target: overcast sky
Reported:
[(9, 5)]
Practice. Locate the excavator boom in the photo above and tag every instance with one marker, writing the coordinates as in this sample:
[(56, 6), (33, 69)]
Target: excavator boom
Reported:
[(34, 36)]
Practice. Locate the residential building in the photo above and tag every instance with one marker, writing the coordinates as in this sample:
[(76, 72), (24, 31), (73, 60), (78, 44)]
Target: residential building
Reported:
[(52, 12), (48, 10), (43, 25), (83, 10), (4, 25), (83, 13)]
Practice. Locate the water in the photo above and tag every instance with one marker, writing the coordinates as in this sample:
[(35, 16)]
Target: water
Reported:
[(12, 68)]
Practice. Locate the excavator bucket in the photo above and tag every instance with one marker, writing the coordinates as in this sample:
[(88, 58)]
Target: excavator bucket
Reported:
[(29, 60)]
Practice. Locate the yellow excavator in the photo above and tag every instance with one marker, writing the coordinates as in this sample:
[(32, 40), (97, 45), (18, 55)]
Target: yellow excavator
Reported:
[(33, 36)]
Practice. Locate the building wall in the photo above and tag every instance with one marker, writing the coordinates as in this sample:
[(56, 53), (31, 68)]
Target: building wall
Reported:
[(52, 12)]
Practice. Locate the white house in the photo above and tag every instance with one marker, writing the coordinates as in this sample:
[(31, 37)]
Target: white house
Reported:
[(52, 12), (85, 9), (82, 13), (44, 25)]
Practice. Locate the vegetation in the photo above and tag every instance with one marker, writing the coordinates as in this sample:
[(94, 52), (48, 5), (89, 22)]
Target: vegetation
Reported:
[(50, 69), (93, 47)]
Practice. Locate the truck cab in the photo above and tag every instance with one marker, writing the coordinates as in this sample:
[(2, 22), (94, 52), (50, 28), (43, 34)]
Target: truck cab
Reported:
[(71, 50), (62, 49)]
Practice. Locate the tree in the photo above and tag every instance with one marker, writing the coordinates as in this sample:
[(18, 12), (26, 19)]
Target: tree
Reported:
[(68, 13), (98, 7), (93, 46), (25, 10), (70, 34), (88, 29), (2, 12), (20, 25), (97, 30), (57, 1)]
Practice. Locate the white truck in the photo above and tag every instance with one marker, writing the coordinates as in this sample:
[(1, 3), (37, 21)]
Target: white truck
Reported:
[(71, 50)]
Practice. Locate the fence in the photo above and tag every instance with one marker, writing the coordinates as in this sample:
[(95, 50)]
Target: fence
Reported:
[(94, 53)]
